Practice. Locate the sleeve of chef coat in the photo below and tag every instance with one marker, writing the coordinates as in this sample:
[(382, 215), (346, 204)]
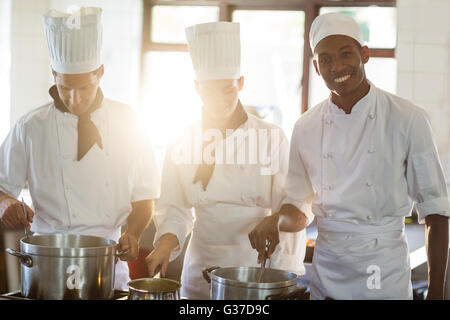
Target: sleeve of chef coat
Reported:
[(280, 162), (298, 189), (424, 174), (13, 161), (291, 250), (147, 181), (173, 212)]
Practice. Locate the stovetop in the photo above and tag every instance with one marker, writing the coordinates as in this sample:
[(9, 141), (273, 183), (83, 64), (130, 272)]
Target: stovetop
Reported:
[(17, 295)]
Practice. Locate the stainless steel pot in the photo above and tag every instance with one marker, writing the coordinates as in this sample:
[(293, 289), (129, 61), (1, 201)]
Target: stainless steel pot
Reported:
[(241, 283), (154, 289), (61, 266)]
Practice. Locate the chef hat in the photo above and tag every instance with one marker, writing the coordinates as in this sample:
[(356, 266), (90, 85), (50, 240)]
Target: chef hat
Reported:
[(215, 50), (332, 24), (74, 40)]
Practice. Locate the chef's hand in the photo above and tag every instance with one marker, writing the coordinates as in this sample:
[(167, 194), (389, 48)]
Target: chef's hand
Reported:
[(265, 231), (12, 214), (128, 242), (158, 259)]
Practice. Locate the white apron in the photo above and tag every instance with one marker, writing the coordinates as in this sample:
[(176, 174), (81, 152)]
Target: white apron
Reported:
[(368, 265), (237, 198)]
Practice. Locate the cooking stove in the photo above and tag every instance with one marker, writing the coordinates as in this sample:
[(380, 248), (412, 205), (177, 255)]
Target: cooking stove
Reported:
[(17, 295)]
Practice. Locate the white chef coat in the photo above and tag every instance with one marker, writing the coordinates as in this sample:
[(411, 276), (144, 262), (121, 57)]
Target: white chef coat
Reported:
[(92, 196), (364, 171), (237, 198)]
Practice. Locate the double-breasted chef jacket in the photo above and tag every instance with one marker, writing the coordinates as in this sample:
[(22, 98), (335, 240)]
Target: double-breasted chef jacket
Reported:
[(363, 172), (92, 196), (236, 199)]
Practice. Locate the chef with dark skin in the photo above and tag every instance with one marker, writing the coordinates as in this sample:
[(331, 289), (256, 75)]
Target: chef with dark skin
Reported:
[(87, 165), (362, 158)]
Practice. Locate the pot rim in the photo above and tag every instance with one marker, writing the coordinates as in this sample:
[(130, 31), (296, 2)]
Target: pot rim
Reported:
[(131, 288), (257, 285), (51, 251)]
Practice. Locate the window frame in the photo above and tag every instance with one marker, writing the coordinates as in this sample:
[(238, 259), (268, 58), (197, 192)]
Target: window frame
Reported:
[(311, 9)]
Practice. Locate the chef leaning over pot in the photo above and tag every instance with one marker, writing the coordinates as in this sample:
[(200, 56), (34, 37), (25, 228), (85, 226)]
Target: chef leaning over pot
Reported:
[(204, 171), (88, 168), (365, 156)]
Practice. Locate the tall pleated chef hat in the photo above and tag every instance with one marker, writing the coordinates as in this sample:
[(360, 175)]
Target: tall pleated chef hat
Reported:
[(215, 50), (334, 24), (74, 39)]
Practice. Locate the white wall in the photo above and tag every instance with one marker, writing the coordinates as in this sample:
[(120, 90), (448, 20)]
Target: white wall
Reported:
[(423, 54), (30, 65), (5, 53)]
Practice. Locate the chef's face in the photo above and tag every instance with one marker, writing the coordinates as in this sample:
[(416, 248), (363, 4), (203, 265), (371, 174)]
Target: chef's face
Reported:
[(78, 91), (220, 97), (340, 61)]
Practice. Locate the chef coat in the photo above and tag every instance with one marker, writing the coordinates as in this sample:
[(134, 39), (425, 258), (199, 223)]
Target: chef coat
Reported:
[(237, 198), (92, 196), (364, 171)]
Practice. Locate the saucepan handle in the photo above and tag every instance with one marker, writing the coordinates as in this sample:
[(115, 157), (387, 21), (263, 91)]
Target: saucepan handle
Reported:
[(119, 254), (206, 271), (24, 258), (298, 294)]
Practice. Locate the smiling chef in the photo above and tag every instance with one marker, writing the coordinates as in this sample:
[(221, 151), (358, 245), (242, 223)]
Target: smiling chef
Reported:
[(88, 168), (365, 156)]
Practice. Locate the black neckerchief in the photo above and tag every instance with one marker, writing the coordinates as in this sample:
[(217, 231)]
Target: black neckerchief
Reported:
[(239, 117), (88, 133)]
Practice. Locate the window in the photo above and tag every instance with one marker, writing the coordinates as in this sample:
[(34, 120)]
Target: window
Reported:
[(271, 43), (278, 85), (169, 22)]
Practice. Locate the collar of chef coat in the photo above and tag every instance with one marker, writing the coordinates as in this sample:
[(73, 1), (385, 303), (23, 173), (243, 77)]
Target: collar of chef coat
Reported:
[(362, 106)]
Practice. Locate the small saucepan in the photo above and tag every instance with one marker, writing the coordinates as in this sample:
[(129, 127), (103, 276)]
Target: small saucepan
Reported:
[(154, 289)]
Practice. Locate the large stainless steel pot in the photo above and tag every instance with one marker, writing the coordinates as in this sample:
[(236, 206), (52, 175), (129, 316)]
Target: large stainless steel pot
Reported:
[(61, 266), (154, 289), (241, 283)]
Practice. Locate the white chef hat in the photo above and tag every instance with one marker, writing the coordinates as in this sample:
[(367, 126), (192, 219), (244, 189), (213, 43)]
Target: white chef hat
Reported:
[(74, 40), (215, 50), (332, 24)]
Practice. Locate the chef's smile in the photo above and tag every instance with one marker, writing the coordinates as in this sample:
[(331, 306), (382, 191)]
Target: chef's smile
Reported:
[(342, 79)]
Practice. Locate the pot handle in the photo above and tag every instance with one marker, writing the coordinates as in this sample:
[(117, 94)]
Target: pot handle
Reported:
[(206, 271), (24, 259), (119, 254), (298, 294)]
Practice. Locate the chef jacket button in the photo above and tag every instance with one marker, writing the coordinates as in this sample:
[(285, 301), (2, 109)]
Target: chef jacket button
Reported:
[(368, 183), (330, 215), (371, 116), (371, 150), (369, 217), (348, 237)]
